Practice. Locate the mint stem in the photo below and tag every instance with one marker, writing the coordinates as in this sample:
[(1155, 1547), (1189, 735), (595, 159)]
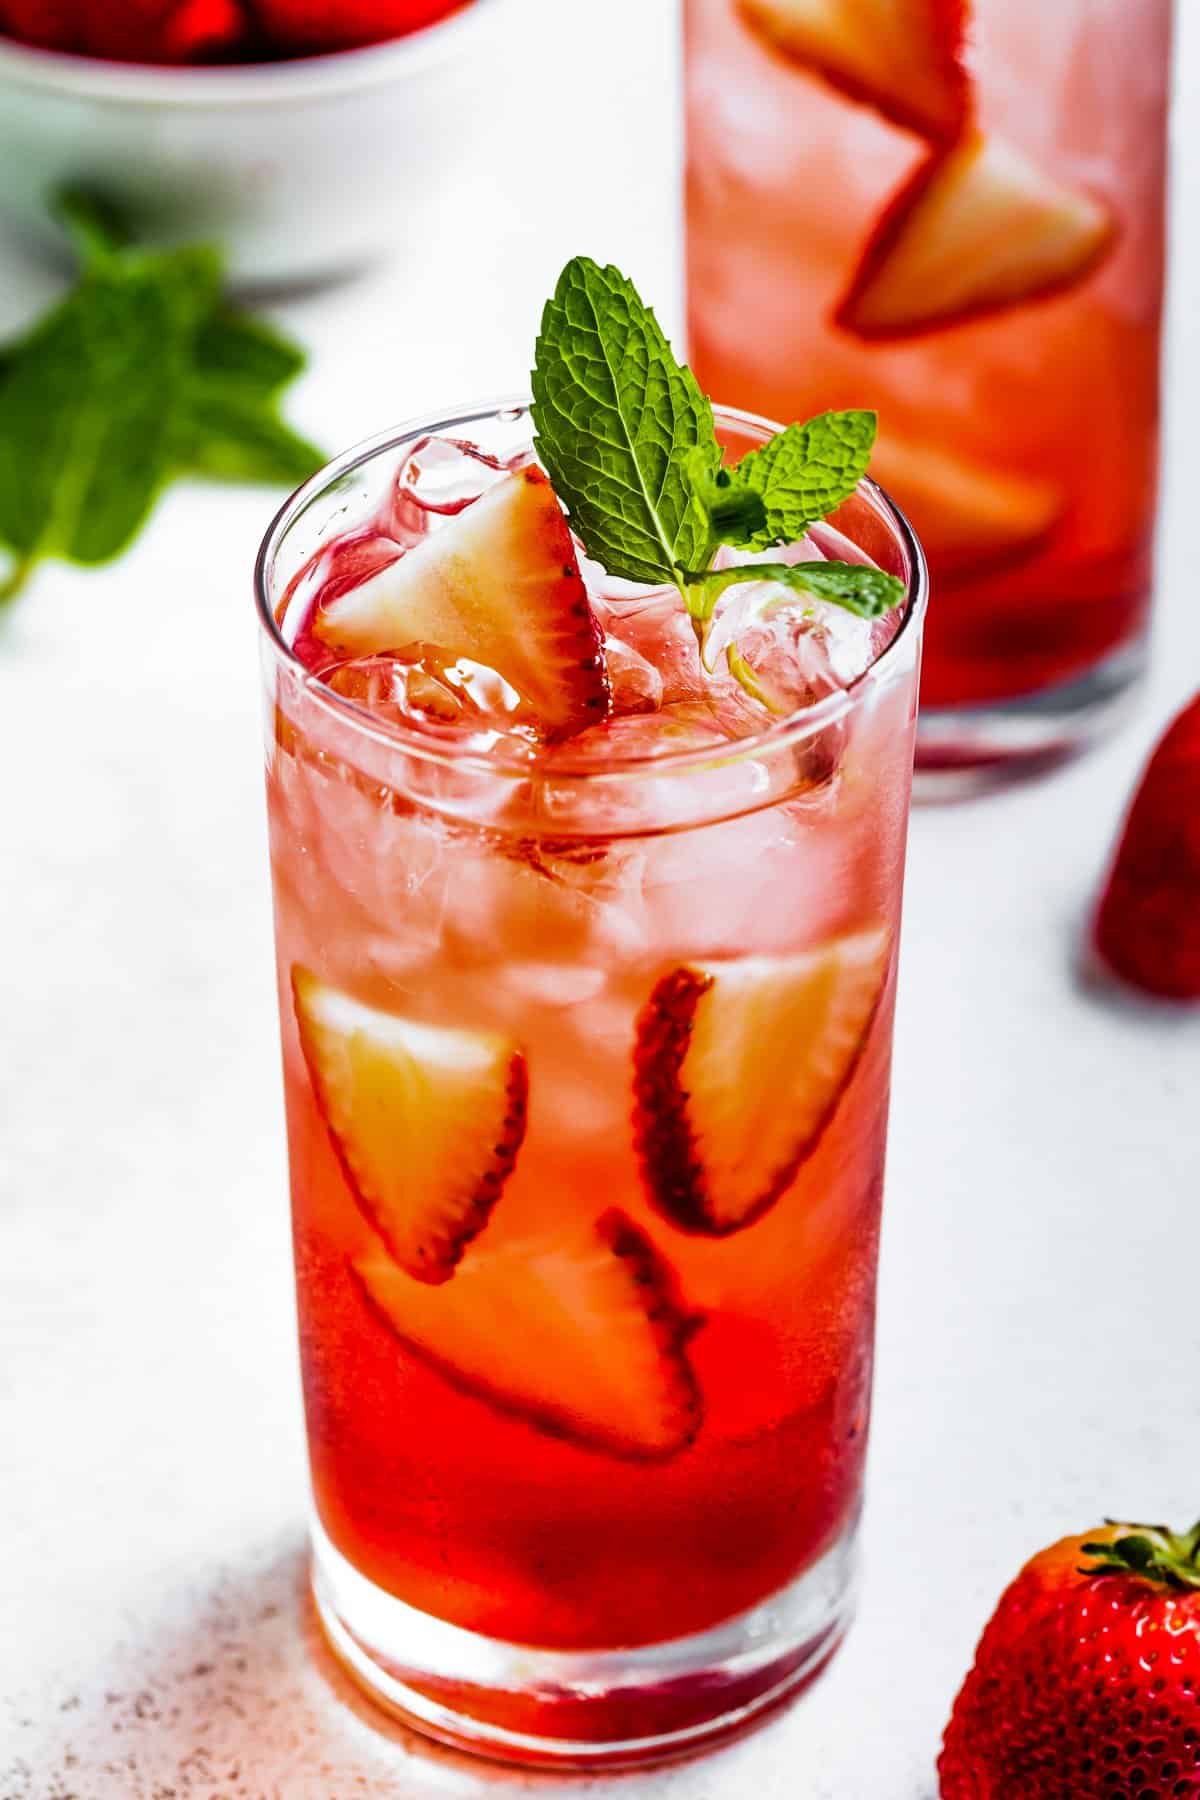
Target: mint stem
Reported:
[(17, 578)]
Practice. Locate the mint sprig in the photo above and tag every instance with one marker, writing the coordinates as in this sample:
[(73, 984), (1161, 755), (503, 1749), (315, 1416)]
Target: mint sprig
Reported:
[(137, 376), (628, 440)]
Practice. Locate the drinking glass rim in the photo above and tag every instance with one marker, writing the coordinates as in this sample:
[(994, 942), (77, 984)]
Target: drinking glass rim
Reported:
[(777, 735)]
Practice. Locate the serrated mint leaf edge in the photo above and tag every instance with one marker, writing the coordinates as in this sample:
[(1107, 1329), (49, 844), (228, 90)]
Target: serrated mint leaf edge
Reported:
[(799, 478)]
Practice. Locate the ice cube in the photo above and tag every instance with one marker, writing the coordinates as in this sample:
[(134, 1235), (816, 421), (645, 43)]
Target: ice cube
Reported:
[(440, 476), (403, 691), (568, 905), (657, 627), (553, 983), (715, 890), (330, 571), (637, 686), (800, 651), (410, 690)]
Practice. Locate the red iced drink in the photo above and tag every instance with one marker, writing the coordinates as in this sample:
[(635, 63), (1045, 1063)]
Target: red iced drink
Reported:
[(956, 211), (587, 954)]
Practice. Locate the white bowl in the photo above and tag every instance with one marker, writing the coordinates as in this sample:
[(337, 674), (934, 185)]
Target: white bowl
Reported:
[(298, 169)]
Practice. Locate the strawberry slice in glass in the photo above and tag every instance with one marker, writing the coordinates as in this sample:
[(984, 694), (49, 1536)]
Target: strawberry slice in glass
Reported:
[(967, 512), (498, 584), (903, 57), (583, 1336), (977, 229), (426, 1121), (739, 1067)]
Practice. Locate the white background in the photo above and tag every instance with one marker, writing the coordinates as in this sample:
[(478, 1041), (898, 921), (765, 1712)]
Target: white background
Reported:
[(1039, 1322)]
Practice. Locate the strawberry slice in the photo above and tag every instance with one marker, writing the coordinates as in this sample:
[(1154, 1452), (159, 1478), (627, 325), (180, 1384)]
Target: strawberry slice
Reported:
[(965, 512), (426, 1121), (978, 228), (739, 1067), (1148, 924), (903, 57), (584, 1337), (499, 584)]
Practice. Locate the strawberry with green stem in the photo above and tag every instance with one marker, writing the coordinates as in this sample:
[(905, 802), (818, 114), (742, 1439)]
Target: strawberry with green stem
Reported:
[(1086, 1682)]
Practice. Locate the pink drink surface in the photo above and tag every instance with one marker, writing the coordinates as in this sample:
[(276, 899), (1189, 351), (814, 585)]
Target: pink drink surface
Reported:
[(1019, 434), (505, 904)]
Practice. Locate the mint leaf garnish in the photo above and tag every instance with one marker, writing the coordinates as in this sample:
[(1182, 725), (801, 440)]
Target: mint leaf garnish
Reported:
[(805, 473), (629, 442), (731, 512), (623, 430), (858, 588), (136, 376)]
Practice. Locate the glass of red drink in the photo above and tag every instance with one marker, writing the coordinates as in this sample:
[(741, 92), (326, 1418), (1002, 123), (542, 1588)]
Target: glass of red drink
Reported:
[(611, 1016), (956, 209)]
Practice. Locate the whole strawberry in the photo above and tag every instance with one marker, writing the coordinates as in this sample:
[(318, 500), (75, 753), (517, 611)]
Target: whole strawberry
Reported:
[(1148, 925), (1086, 1684)]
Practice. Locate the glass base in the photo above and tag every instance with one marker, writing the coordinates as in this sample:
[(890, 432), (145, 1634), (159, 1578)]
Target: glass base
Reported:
[(585, 1708), (965, 750)]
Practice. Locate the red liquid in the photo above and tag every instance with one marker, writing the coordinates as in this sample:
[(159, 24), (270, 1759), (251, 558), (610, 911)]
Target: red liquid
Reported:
[(1023, 443)]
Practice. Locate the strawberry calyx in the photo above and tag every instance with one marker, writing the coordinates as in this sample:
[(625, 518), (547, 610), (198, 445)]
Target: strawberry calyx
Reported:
[(1153, 1552)]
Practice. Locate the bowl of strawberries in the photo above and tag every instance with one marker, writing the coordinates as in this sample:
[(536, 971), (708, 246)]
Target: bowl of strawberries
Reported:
[(295, 133)]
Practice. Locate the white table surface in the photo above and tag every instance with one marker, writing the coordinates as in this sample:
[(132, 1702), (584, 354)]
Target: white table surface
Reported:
[(1038, 1333)]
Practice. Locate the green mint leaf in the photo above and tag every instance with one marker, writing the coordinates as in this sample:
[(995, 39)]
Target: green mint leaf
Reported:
[(95, 226), (859, 588), (804, 473), (137, 375), (227, 437), (729, 512), (623, 429), (245, 354), (85, 406)]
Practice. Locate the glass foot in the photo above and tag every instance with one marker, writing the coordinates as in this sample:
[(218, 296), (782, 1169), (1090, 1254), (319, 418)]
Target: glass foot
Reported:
[(966, 750), (587, 1708)]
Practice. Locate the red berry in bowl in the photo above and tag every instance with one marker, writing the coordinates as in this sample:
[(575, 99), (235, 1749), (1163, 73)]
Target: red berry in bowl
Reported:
[(136, 31), (314, 25)]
